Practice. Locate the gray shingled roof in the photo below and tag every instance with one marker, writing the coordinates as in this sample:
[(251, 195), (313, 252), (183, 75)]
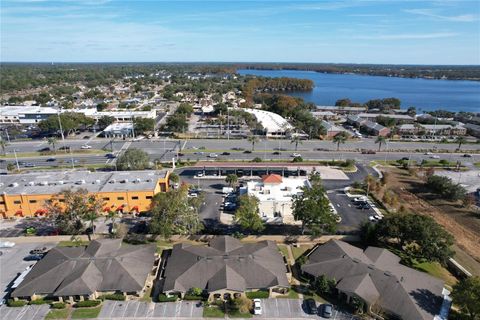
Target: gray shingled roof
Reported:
[(225, 264), (105, 265), (376, 276)]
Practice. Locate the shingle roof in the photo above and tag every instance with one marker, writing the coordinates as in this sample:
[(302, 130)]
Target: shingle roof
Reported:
[(225, 264), (272, 178), (376, 276), (105, 265)]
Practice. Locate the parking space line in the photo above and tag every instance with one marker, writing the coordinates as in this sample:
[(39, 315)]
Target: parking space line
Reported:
[(36, 311), (136, 310), (191, 310), (22, 312), (177, 309), (125, 310), (114, 305)]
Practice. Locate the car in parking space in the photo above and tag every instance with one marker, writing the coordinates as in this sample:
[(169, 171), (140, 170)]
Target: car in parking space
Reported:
[(86, 146), (372, 218), (296, 154), (363, 206), (326, 310), (40, 250), (311, 306), (199, 174), (257, 306), (7, 244), (33, 257)]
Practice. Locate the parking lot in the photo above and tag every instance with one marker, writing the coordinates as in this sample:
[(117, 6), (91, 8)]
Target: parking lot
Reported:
[(292, 309), (351, 215), (11, 263), (24, 313), (149, 310)]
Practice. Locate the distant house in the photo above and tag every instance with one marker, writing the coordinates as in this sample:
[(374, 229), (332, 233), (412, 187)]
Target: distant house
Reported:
[(103, 267), (342, 110), (225, 267), (376, 276), (473, 129), (375, 129), (331, 129)]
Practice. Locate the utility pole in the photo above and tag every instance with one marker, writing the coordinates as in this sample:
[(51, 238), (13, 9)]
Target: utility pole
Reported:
[(16, 159), (61, 129), (228, 123)]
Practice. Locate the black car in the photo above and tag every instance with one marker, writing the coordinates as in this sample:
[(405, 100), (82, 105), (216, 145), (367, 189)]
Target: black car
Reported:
[(247, 151), (276, 153), (466, 155), (311, 306), (51, 160), (110, 156), (33, 257), (327, 310), (225, 153)]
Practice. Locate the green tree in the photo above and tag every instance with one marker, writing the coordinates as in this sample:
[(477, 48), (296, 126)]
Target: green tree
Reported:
[(460, 141), (142, 125), (173, 177), (445, 187), (173, 213), (133, 159), (420, 236), (71, 121), (381, 141), (296, 140), (52, 141), (466, 295), (231, 179), (3, 144), (340, 138), (247, 214), (105, 121), (312, 208), (252, 139)]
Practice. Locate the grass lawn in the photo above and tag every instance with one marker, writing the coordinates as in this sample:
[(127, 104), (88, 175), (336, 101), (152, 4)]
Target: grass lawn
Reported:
[(213, 312), (298, 251), (292, 294), (58, 314), (436, 270), (477, 164), (283, 249), (238, 314), (73, 243), (86, 313)]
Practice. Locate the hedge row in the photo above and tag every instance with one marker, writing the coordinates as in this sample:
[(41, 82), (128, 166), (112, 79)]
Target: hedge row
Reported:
[(115, 296), (18, 303), (40, 301), (192, 297), (87, 303), (58, 305), (164, 298), (261, 294)]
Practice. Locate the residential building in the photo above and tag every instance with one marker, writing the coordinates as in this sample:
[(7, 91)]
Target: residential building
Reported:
[(124, 191), (342, 110), (105, 266), (400, 117), (332, 129), (473, 129), (225, 268), (273, 124), (376, 276), (408, 129), (375, 129), (444, 129), (325, 115), (25, 114), (275, 194)]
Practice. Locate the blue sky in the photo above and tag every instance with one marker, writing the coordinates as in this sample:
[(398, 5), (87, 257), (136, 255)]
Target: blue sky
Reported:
[(388, 31)]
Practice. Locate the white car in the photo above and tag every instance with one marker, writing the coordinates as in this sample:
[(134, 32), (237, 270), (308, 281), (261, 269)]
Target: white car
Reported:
[(295, 155), (213, 155), (86, 146), (377, 217), (435, 157), (257, 306), (199, 175), (360, 199), (7, 244), (427, 153), (372, 218)]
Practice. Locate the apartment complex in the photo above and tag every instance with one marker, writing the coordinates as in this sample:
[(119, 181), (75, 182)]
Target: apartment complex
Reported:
[(124, 191)]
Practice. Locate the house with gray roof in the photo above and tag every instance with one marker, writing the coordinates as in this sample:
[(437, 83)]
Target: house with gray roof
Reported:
[(104, 266), (376, 276), (225, 266)]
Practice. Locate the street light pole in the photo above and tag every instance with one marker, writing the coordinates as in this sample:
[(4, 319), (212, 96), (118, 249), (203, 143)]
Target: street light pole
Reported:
[(61, 128), (16, 159)]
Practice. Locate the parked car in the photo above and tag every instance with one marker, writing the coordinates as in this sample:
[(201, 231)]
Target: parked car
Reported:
[(257, 306), (311, 306), (86, 146), (41, 250), (180, 154), (33, 257), (295, 155), (110, 156), (372, 218), (227, 190), (7, 244), (327, 310), (364, 151)]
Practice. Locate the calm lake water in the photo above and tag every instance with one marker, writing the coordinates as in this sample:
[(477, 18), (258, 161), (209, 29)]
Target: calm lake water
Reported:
[(421, 93)]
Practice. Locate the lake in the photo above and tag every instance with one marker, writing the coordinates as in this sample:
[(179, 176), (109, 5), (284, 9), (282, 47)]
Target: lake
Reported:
[(424, 94)]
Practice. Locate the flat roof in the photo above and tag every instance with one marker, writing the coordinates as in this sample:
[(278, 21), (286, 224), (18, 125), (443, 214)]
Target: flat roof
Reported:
[(272, 122), (55, 182)]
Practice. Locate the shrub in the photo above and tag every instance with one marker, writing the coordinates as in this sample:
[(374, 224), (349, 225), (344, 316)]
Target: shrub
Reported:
[(257, 159), (87, 303), (18, 303), (163, 298), (261, 294), (40, 301), (115, 296), (297, 159), (192, 297), (58, 305)]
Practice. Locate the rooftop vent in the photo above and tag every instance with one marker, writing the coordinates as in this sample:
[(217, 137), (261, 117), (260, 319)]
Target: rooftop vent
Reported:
[(96, 181), (112, 181), (371, 266), (388, 273), (13, 185), (124, 181), (31, 183), (44, 183), (137, 180), (356, 260), (60, 182), (80, 182)]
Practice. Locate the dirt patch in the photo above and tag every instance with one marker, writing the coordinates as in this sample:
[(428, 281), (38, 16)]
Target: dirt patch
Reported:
[(462, 223)]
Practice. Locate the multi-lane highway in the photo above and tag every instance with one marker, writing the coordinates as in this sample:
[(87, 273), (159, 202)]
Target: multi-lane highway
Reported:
[(201, 149)]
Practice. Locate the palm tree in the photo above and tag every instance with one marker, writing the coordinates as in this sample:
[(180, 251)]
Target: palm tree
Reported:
[(340, 138), (3, 144), (52, 141), (231, 179), (253, 140), (380, 140), (296, 139), (460, 141)]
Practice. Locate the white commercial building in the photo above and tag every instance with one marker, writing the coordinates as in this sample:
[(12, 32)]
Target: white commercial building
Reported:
[(273, 124), (119, 115), (25, 114), (275, 194), (119, 130)]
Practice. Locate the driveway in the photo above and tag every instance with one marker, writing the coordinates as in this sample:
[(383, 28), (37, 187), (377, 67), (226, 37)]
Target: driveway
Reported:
[(150, 310), (293, 309), (24, 313), (352, 217)]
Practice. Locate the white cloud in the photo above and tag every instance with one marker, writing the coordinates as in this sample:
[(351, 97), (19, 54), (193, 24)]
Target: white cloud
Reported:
[(432, 14), (408, 36)]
